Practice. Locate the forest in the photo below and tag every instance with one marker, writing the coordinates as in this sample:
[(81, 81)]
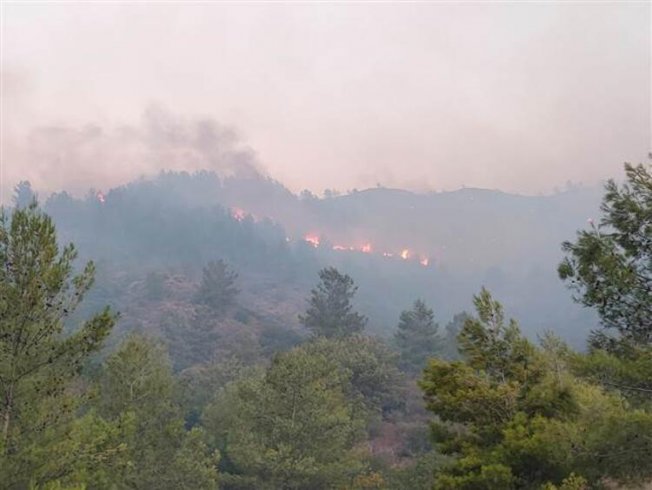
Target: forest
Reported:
[(148, 344)]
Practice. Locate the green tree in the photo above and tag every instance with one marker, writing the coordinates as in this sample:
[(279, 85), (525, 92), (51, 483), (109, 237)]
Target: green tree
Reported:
[(368, 370), (137, 392), (39, 362), (514, 416), (610, 265), (330, 310), (490, 345), (217, 289), (417, 337), (288, 427)]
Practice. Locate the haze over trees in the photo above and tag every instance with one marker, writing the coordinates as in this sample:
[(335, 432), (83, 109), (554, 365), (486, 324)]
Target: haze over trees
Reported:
[(202, 383), (217, 289), (179, 222), (330, 312)]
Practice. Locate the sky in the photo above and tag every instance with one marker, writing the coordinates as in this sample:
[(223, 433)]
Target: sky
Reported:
[(522, 97)]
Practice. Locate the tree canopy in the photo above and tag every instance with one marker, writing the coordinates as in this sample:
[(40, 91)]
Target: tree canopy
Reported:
[(417, 337), (609, 266), (515, 416), (40, 354), (330, 310)]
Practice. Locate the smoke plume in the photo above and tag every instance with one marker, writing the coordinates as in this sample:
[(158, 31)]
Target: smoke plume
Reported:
[(102, 155)]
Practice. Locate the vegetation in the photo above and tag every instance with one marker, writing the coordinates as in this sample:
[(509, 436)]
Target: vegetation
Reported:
[(39, 362), (610, 265), (610, 269), (514, 415), (195, 389), (330, 311), (417, 337), (217, 289)]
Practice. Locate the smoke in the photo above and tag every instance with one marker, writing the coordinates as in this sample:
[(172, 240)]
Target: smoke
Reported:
[(102, 155)]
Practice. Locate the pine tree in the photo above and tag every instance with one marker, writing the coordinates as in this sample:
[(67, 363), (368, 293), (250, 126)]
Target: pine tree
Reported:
[(492, 346), (217, 289), (610, 265), (330, 310), (289, 427), (514, 416), (40, 356), (417, 337), (610, 269), (138, 394)]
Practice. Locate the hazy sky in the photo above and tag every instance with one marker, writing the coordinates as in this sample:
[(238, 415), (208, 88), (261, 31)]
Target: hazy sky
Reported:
[(520, 97)]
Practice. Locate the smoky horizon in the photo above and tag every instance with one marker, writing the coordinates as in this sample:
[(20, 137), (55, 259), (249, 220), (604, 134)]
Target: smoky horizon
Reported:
[(425, 97)]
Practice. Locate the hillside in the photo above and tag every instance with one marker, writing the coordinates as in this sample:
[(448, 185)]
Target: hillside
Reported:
[(396, 244)]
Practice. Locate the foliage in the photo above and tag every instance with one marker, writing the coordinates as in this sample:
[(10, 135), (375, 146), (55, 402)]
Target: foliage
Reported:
[(333, 412), (610, 269), (610, 265), (39, 363), (417, 337), (630, 375), (217, 289), (419, 475), (137, 392), (289, 426), (330, 311), (514, 416), (492, 346), (368, 367)]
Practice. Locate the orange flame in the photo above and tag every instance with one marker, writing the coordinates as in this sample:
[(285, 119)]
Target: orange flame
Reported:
[(424, 262), (366, 248), (100, 197), (405, 254), (312, 240)]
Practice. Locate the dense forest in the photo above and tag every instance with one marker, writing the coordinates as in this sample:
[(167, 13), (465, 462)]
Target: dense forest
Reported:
[(201, 345)]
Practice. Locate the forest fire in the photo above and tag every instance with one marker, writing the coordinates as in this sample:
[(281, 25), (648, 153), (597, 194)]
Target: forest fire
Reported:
[(100, 197), (312, 239), (405, 254)]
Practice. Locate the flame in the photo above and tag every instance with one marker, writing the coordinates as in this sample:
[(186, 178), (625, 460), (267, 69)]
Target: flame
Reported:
[(238, 214), (312, 240), (406, 254), (100, 197)]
